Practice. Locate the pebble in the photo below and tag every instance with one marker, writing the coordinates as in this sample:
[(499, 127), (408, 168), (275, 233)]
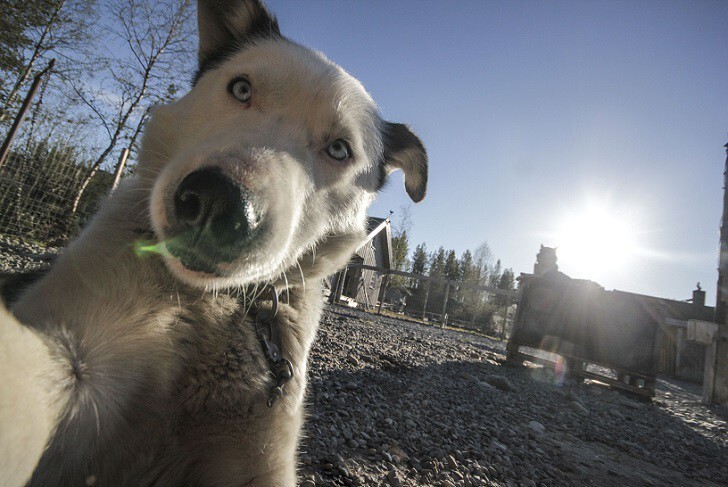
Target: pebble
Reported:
[(500, 382), (578, 407)]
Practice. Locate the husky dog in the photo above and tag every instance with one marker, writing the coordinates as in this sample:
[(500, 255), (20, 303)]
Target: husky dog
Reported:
[(138, 359)]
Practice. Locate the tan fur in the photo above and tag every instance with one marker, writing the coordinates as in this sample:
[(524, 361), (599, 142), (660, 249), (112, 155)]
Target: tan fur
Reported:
[(132, 369)]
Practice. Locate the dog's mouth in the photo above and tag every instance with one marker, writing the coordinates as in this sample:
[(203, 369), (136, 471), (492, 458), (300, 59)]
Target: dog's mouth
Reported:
[(192, 260), (182, 257), (213, 222)]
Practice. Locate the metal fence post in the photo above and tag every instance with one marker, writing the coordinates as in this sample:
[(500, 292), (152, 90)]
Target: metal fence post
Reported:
[(444, 304)]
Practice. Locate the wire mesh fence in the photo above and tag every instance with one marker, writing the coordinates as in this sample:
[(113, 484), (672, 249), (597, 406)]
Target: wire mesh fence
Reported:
[(39, 182)]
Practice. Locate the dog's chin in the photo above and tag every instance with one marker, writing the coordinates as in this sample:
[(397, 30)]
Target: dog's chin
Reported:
[(200, 274), (195, 276)]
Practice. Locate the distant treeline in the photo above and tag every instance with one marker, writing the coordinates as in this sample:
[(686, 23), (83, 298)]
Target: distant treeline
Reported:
[(472, 267)]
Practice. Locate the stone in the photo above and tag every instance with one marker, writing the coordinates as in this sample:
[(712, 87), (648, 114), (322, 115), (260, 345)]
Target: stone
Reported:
[(484, 386), (578, 408), (536, 426), (500, 382)]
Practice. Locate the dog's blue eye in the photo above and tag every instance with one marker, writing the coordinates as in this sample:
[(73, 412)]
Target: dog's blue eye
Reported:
[(240, 88), (339, 150)]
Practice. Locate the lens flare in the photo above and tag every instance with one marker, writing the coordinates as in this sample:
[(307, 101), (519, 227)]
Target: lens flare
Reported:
[(597, 241)]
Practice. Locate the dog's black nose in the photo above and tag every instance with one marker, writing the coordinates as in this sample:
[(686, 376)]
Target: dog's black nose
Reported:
[(212, 211)]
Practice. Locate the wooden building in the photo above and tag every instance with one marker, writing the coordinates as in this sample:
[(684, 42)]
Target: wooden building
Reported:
[(676, 355), (362, 286), (637, 336)]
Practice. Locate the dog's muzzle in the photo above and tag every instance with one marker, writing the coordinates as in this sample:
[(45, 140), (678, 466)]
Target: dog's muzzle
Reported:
[(213, 219)]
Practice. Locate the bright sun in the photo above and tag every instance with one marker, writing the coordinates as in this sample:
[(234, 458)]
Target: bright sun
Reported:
[(596, 241)]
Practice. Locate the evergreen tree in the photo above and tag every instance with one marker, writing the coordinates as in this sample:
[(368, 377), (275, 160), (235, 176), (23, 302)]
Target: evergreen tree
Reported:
[(419, 288), (400, 248), (469, 298), (494, 274), (466, 267), (452, 267), (419, 259), (437, 290), (453, 272), (437, 263), (506, 281)]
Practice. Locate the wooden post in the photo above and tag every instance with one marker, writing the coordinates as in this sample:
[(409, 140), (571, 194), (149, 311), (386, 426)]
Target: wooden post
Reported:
[(383, 292), (505, 320), (709, 372), (444, 304), (334, 287), (120, 167), (5, 149), (512, 346), (427, 295), (339, 287)]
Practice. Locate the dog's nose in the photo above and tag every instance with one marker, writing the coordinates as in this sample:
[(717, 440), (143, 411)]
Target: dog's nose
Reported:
[(214, 209)]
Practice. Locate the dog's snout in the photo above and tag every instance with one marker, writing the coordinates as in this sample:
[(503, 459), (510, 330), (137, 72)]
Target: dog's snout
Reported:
[(205, 194), (212, 211)]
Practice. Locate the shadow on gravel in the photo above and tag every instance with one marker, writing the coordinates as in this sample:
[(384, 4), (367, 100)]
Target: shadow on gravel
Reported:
[(390, 420), (719, 411)]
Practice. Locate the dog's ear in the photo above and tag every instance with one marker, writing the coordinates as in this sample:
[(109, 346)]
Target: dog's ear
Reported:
[(226, 24), (404, 150)]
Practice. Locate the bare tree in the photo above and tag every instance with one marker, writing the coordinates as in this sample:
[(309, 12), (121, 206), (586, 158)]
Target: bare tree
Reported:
[(42, 29), (482, 262), (154, 39)]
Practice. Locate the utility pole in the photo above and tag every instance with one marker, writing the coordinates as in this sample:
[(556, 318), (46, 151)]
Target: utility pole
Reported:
[(715, 379), (722, 295)]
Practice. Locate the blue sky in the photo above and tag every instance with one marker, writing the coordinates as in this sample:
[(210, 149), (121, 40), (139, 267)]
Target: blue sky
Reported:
[(534, 111)]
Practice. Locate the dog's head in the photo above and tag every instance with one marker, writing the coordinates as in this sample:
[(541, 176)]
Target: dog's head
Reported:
[(269, 163)]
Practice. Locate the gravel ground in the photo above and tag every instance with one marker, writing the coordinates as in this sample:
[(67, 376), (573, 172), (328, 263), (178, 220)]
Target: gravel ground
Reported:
[(19, 256), (398, 403)]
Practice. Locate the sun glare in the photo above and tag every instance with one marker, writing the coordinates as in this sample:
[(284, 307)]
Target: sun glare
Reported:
[(595, 242)]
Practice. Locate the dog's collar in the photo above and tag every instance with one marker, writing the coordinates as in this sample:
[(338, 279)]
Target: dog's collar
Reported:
[(268, 333)]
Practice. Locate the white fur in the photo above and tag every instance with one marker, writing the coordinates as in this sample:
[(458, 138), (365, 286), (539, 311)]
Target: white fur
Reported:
[(276, 146)]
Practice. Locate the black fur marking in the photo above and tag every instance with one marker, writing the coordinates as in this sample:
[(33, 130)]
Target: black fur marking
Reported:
[(219, 58), (398, 139), (263, 25), (382, 177)]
